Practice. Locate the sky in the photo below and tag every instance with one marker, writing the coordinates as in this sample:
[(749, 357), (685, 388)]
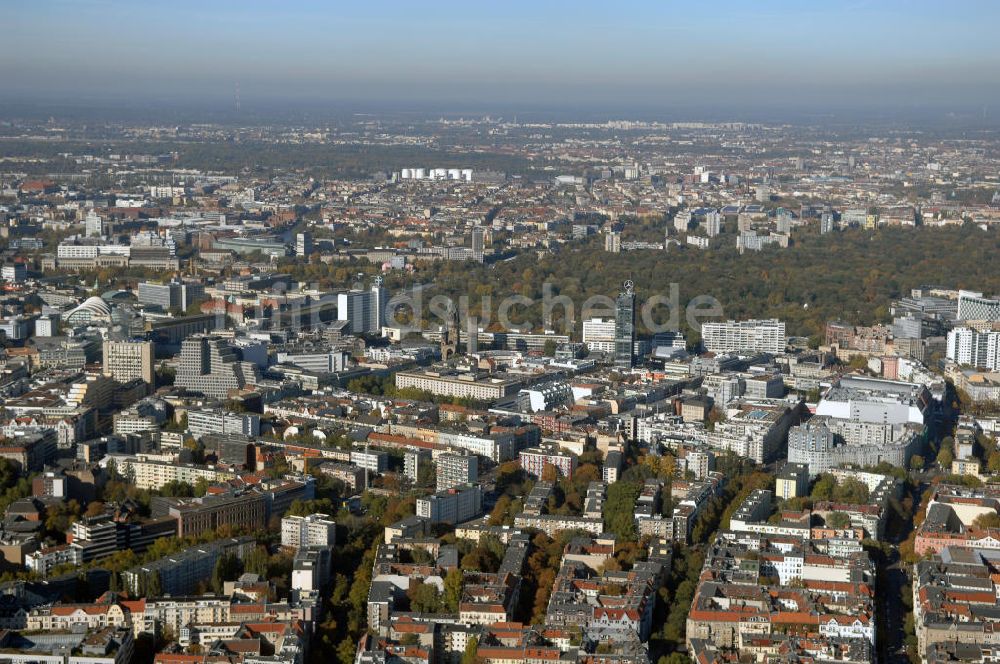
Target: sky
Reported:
[(616, 54)]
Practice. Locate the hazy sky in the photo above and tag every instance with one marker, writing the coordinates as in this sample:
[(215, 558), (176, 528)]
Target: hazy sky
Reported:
[(611, 53)]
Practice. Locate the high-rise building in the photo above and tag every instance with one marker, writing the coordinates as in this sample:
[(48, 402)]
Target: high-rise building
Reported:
[(625, 327), (478, 243), (713, 223), (363, 310), (128, 360), (534, 459), (379, 298), (172, 295), (826, 223), (47, 325), (599, 334), (210, 365), (968, 346), (14, 272), (414, 461), (681, 221), (93, 225), (455, 505), (613, 242), (300, 532), (783, 222), (303, 244), (472, 335), (758, 336), (454, 469), (373, 460)]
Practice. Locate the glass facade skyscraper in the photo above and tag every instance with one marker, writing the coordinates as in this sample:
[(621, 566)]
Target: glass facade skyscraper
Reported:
[(625, 327)]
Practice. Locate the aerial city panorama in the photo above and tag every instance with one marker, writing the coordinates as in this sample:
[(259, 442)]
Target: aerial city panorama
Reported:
[(499, 333)]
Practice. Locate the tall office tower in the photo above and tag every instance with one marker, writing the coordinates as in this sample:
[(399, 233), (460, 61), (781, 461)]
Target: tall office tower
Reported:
[(625, 327), (478, 243), (353, 307), (973, 306), (364, 310), (713, 223), (471, 335), (303, 244), (454, 469), (210, 365), (128, 360), (376, 309), (613, 242), (758, 336)]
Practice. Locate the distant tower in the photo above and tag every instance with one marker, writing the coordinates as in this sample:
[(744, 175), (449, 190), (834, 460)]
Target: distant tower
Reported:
[(471, 335), (449, 337), (379, 295), (625, 327), (613, 242), (237, 99), (478, 243), (303, 244)]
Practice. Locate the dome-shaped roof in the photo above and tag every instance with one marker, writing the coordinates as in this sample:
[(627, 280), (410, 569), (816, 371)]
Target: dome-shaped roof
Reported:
[(97, 307)]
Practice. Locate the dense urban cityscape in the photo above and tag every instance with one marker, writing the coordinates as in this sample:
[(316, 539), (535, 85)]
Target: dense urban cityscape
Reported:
[(547, 387)]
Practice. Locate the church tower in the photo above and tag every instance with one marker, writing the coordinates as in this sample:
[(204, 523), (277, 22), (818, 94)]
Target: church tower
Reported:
[(449, 337)]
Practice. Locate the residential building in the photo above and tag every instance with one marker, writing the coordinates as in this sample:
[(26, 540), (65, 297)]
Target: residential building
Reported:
[(315, 530), (373, 461), (179, 574), (453, 506), (760, 336), (414, 461), (792, 481), (970, 347), (128, 360), (534, 460), (456, 470)]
